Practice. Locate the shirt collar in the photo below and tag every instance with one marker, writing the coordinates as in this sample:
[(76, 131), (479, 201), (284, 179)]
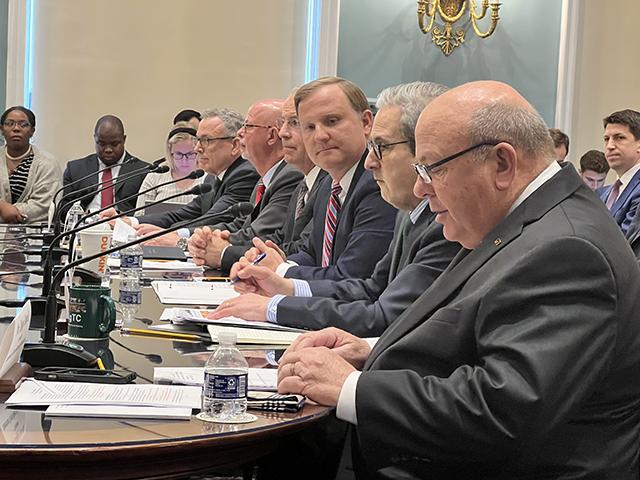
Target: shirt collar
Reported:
[(266, 178), (414, 214), (537, 182), (118, 163), (310, 178), (345, 181), (627, 176)]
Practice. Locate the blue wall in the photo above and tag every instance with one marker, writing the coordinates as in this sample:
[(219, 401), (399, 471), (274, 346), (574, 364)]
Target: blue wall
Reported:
[(381, 45)]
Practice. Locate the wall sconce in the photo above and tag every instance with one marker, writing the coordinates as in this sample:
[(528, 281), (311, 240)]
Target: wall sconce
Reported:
[(450, 11)]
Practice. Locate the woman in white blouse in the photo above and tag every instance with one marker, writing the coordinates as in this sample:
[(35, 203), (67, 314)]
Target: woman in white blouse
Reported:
[(182, 160)]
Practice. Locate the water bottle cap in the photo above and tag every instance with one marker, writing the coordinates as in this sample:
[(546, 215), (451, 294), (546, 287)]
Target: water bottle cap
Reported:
[(227, 338)]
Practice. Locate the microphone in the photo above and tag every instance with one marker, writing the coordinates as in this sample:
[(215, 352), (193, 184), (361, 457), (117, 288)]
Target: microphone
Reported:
[(154, 167), (50, 353), (48, 264), (191, 176)]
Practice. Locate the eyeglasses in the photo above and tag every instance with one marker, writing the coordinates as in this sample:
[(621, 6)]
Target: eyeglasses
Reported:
[(182, 156), (246, 125), (424, 171), (377, 148), (205, 141), (11, 123)]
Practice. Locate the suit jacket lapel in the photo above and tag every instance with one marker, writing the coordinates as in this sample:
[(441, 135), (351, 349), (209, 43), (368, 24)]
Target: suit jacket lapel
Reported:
[(467, 262), (124, 169), (624, 196)]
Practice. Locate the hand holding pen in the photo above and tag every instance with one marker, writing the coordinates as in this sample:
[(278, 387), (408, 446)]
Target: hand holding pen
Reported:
[(255, 261), (252, 278)]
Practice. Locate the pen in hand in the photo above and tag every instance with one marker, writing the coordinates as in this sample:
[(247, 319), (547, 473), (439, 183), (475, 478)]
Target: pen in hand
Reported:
[(256, 261)]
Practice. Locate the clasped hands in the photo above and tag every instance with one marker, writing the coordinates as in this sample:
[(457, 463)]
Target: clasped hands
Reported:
[(318, 363)]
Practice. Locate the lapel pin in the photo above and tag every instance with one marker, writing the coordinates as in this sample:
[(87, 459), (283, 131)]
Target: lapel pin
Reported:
[(497, 241)]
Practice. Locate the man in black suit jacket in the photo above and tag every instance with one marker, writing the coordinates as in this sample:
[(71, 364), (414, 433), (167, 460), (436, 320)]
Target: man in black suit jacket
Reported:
[(417, 256), (297, 224), (261, 145), (110, 139), (521, 360), (232, 176)]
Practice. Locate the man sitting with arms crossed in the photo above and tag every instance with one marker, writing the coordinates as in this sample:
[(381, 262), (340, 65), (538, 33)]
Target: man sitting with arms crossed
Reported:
[(418, 252), (262, 146), (521, 360), (352, 225), (232, 176), (300, 210)]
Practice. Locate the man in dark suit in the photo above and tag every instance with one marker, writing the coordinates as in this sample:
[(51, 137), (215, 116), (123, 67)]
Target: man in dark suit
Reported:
[(300, 209), (521, 360), (417, 255), (233, 178), (109, 138), (352, 224), (261, 145), (622, 151)]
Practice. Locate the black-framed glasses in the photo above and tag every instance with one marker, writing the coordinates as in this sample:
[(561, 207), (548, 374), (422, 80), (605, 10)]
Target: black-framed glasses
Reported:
[(182, 156), (205, 141), (377, 148), (424, 171), (247, 125), (12, 123)]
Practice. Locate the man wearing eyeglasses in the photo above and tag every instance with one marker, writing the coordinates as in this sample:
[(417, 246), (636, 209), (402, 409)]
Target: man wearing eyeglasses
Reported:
[(110, 150), (262, 146), (521, 360), (233, 178), (417, 255)]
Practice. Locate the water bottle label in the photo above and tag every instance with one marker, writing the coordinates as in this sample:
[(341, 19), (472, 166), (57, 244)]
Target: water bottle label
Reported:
[(130, 297), (130, 261), (225, 386)]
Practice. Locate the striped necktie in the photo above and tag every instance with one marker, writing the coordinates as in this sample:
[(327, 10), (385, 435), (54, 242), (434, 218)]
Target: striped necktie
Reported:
[(613, 194), (260, 188), (331, 220)]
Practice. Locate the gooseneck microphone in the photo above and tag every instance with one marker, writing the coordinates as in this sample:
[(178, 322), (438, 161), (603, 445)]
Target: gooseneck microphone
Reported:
[(191, 176), (119, 180), (37, 355), (48, 262)]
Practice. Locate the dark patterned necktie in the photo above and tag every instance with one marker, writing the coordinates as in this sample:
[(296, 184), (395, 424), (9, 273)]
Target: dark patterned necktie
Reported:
[(300, 201), (260, 188), (613, 194), (331, 220)]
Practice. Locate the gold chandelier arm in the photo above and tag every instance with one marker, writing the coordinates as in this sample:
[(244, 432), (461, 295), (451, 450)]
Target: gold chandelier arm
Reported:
[(423, 9), (485, 6), (495, 7), (446, 17)]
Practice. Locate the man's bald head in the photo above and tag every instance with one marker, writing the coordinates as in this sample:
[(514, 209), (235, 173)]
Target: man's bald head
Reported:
[(109, 138), (259, 139), (482, 144)]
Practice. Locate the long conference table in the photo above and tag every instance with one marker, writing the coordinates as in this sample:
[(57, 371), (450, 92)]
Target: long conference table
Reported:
[(33, 445)]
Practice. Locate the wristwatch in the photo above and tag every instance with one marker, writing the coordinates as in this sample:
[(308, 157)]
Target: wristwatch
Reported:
[(182, 243)]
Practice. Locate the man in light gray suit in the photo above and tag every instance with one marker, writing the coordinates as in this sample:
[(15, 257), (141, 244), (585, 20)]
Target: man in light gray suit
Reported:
[(521, 361), (417, 255), (261, 145)]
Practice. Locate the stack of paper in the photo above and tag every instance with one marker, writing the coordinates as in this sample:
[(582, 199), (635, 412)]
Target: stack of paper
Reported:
[(254, 336), (169, 265), (194, 293), (106, 400), (264, 379)]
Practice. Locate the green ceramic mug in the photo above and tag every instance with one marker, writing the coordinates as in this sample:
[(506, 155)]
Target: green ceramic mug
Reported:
[(92, 312)]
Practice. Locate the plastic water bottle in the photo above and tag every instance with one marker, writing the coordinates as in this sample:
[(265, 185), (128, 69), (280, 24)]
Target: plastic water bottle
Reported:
[(224, 394), (74, 214), (130, 295)]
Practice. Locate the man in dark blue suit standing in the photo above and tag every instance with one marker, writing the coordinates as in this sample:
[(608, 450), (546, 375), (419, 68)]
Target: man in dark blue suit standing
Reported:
[(622, 151)]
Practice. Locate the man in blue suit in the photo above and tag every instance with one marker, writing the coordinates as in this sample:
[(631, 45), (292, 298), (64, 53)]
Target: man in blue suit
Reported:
[(622, 151)]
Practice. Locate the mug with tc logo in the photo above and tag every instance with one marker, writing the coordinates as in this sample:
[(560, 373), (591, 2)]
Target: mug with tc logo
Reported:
[(92, 312)]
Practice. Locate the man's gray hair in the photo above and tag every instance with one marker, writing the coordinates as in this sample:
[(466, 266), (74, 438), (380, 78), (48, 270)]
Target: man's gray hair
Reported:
[(524, 129), (411, 98), (231, 119)]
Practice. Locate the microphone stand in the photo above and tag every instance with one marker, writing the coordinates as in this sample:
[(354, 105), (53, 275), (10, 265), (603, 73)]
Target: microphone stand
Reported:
[(48, 264), (51, 353)]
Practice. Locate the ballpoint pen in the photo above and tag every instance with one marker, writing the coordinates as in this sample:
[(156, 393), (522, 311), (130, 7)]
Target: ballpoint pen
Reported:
[(256, 261), (157, 333)]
